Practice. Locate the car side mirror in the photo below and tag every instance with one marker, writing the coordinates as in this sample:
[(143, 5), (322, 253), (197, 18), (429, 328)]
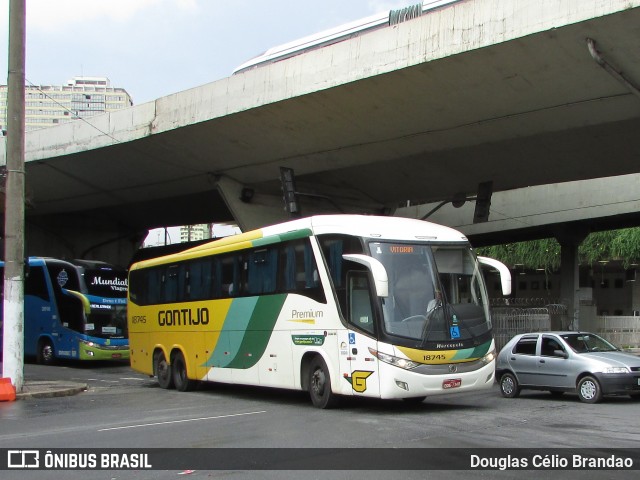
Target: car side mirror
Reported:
[(560, 353)]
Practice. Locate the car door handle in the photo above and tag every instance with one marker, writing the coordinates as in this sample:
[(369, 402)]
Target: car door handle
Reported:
[(542, 361)]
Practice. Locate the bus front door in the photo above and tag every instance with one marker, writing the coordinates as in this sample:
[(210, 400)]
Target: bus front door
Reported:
[(363, 376)]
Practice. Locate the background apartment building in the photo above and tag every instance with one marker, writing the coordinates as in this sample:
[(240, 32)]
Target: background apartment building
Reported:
[(81, 97), (193, 233)]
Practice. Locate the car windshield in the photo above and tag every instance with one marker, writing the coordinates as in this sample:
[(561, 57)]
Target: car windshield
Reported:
[(588, 342)]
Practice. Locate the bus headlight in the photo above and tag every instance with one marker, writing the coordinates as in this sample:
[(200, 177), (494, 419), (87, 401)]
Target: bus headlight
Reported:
[(392, 360), (88, 347), (489, 357)]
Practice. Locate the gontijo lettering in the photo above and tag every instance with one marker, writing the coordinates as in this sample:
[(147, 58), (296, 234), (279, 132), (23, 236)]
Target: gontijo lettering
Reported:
[(184, 316)]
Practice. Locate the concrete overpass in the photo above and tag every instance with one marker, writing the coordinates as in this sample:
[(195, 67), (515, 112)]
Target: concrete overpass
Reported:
[(506, 91)]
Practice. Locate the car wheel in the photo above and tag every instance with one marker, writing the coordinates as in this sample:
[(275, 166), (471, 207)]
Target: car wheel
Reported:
[(179, 370), (509, 386), (589, 390), (320, 385), (162, 370)]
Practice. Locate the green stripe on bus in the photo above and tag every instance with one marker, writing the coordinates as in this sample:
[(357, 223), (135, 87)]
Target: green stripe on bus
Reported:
[(246, 331), (282, 237), (476, 352)]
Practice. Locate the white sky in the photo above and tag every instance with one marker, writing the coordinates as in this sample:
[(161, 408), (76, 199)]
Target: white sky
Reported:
[(154, 48)]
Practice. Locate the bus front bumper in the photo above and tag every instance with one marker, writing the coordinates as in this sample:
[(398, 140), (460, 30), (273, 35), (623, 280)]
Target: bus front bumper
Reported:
[(398, 383), (95, 351)]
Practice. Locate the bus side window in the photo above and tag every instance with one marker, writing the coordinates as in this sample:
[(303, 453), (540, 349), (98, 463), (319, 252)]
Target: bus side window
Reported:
[(200, 279), (262, 272), (360, 311), (35, 284), (288, 268), (70, 308), (229, 276), (154, 286), (176, 284), (333, 247)]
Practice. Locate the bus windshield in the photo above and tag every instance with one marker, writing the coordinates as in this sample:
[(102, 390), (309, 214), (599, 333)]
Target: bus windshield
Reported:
[(436, 293)]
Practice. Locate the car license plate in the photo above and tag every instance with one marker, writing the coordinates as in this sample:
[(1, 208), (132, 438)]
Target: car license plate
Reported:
[(116, 355), (451, 383)]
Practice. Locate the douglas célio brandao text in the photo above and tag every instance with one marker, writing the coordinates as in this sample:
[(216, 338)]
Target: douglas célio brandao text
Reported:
[(573, 461)]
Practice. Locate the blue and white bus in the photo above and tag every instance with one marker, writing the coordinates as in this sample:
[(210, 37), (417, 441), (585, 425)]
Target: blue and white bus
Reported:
[(73, 309)]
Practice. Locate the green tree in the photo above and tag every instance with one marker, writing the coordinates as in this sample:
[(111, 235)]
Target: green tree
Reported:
[(623, 245)]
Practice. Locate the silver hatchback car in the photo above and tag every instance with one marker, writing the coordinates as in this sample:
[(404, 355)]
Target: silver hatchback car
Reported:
[(559, 362)]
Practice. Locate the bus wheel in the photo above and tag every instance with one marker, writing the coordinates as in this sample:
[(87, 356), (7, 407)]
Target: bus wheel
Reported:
[(180, 379), (320, 385), (162, 370), (46, 354)]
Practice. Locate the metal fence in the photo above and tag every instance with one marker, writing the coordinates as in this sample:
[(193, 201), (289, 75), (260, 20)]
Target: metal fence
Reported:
[(525, 316), (621, 331), (521, 315)]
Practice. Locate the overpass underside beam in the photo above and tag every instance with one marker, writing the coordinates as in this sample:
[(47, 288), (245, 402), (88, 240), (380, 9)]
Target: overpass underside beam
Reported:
[(254, 208), (80, 236)]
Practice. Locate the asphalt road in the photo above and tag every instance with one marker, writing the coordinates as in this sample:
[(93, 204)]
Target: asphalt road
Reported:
[(124, 409)]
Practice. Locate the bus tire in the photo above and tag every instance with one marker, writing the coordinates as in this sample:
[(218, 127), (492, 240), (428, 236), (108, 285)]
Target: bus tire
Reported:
[(320, 385), (179, 370), (162, 370), (46, 354)]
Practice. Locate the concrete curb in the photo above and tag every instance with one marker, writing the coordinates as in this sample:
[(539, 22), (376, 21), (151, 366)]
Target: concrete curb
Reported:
[(48, 389)]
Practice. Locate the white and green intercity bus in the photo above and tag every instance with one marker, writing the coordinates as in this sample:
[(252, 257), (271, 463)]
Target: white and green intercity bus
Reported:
[(335, 305)]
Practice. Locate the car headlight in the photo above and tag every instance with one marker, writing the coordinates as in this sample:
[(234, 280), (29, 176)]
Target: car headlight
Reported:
[(392, 360), (616, 370)]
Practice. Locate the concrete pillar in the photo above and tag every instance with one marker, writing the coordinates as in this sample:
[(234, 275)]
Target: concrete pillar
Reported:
[(250, 209), (570, 240)]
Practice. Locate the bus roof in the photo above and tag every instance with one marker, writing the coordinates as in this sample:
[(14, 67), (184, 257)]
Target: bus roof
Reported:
[(366, 226)]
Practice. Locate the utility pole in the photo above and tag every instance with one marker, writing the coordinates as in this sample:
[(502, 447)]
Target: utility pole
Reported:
[(13, 338)]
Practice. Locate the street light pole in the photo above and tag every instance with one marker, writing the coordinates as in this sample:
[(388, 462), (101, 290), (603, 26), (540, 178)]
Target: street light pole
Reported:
[(13, 338)]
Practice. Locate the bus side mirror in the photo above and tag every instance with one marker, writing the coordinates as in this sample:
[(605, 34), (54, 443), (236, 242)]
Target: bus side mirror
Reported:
[(379, 273), (505, 274)]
